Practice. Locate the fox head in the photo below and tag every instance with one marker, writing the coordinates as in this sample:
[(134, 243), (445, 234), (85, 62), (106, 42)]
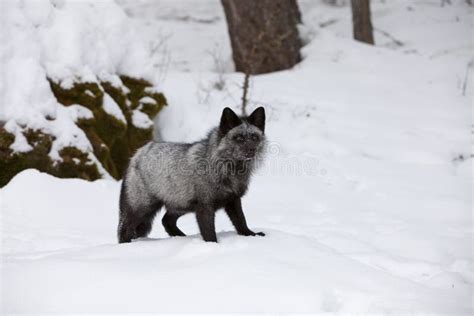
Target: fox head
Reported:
[(242, 137)]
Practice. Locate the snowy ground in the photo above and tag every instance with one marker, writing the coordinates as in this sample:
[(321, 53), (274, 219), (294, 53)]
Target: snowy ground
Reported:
[(365, 200)]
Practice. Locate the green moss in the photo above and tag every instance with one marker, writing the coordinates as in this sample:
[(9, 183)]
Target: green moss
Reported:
[(138, 89), (75, 164), (135, 138), (6, 139), (12, 163), (104, 129), (87, 94), (100, 149), (91, 95), (138, 137), (119, 96), (38, 158)]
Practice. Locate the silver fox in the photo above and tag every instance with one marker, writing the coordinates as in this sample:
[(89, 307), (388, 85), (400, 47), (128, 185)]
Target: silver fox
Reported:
[(199, 177)]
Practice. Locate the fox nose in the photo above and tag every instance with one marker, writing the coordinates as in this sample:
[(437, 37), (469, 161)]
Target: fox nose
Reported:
[(250, 153)]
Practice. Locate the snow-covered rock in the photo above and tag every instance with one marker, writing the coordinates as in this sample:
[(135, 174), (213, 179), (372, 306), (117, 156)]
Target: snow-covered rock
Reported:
[(56, 52)]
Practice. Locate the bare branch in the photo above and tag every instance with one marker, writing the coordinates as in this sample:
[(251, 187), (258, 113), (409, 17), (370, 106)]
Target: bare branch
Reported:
[(466, 77), (244, 96), (396, 41)]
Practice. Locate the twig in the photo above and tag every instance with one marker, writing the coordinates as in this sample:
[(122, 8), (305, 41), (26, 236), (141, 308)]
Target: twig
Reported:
[(443, 2), (159, 49), (244, 96), (215, 54), (397, 42), (327, 23), (466, 77)]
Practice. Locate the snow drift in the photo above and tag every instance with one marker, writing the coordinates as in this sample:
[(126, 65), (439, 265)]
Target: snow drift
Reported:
[(62, 257)]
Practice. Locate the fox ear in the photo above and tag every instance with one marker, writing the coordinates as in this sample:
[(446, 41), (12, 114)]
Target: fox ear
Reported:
[(229, 120), (257, 118)]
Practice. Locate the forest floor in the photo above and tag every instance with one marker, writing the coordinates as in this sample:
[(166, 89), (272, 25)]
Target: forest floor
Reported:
[(365, 199)]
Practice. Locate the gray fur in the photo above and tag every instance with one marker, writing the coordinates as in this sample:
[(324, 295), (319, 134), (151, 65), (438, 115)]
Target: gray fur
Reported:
[(200, 177)]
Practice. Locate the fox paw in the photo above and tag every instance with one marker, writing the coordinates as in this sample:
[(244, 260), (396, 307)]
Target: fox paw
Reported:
[(251, 233)]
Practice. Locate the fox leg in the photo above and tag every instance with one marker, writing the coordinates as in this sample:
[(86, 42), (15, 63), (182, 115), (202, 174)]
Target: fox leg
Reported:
[(126, 231), (135, 220), (169, 222), (206, 221), (237, 217), (145, 221)]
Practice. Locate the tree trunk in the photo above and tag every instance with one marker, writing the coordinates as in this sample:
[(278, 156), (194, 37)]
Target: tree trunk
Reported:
[(263, 34), (361, 21)]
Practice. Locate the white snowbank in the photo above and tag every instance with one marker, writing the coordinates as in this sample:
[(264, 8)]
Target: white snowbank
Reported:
[(63, 257)]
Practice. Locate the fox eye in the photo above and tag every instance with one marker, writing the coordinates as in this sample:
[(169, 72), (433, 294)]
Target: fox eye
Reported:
[(239, 138), (254, 137)]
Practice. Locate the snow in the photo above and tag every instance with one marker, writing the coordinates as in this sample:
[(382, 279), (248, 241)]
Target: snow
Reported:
[(366, 205), (65, 255), (78, 112), (141, 120), (147, 99), (112, 108), (20, 144)]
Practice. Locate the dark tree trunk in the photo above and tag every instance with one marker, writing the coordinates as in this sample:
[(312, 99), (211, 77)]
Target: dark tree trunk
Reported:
[(263, 34), (362, 24)]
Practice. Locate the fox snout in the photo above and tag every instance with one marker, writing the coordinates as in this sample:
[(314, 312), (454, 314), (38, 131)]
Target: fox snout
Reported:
[(250, 153)]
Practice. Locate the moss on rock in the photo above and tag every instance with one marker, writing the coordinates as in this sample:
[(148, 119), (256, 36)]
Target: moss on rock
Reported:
[(75, 164), (88, 94), (112, 140), (128, 99)]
